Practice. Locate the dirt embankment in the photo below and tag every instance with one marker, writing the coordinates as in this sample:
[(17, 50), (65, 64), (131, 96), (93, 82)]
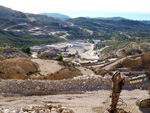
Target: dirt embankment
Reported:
[(137, 64), (8, 52), (17, 68), (55, 70)]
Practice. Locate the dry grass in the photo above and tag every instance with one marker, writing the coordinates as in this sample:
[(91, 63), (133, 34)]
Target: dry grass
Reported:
[(51, 54), (69, 71), (132, 63), (63, 74), (60, 75), (100, 71), (17, 67), (22, 76), (142, 63)]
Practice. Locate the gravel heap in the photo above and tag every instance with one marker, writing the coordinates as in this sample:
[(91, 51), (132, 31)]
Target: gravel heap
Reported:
[(38, 109)]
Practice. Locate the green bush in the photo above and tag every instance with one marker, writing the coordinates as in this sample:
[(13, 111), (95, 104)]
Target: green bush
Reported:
[(26, 49), (128, 53), (71, 55), (59, 57), (123, 50), (46, 57)]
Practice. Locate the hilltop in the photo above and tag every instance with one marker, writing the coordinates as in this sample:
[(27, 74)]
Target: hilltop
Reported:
[(114, 28), (57, 16), (18, 28)]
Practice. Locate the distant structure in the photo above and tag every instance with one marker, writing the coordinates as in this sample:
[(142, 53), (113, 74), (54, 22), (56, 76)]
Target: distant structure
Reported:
[(69, 45), (76, 52), (74, 45), (97, 41), (41, 48)]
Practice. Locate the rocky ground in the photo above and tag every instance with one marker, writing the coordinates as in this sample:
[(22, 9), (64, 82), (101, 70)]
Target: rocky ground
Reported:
[(87, 102)]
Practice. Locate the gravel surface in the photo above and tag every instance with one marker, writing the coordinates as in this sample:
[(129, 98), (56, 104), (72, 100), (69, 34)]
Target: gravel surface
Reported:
[(89, 102)]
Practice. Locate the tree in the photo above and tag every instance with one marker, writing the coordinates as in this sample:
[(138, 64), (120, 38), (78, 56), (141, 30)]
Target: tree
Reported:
[(91, 41), (123, 50), (46, 57), (26, 49), (128, 53), (59, 57)]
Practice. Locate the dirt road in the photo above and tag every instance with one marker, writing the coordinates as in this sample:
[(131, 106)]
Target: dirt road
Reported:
[(89, 102)]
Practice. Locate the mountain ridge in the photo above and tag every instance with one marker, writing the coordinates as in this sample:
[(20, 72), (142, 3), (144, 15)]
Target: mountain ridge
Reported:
[(57, 16), (19, 29)]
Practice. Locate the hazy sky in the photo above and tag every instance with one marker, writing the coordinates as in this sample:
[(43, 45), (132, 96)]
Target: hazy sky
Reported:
[(75, 8)]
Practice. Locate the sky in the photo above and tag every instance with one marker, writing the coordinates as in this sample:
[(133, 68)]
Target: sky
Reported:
[(131, 9)]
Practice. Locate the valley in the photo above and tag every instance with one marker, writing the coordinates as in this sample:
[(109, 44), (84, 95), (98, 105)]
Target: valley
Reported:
[(58, 64)]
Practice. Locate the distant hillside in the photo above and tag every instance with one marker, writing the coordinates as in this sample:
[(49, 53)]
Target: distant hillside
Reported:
[(110, 18), (19, 29), (11, 14), (145, 22), (119, 29), (57, 16), (110, 25)]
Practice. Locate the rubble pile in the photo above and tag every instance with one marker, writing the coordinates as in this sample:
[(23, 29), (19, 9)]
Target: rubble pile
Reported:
[(48, 108)]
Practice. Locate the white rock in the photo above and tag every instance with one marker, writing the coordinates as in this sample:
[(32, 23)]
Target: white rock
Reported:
[(6, 111), (53, 111), (33, 112)]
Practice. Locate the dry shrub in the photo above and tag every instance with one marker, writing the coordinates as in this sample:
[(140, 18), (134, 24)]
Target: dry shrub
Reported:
[(142, 63), (17, 67), (101, 71), (63, 74), (50, 54), (132, 63), (69, 71), (22, 76), (146, 58), (13, 52)]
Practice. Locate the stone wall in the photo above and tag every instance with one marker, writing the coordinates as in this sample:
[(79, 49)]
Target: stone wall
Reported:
[(46, 87)]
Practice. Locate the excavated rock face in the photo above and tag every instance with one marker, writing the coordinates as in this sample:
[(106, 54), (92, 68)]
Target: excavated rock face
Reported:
[(17, 68)]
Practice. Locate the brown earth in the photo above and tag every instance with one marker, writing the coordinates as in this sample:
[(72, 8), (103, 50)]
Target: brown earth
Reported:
[(8, 52), (17, 68), (88, 102), (137, 64), (54, 70)]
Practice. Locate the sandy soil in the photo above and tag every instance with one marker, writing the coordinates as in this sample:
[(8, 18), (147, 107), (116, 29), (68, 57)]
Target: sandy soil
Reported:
[(47, 66), (90, 53), (89, 102), (86, 71)]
